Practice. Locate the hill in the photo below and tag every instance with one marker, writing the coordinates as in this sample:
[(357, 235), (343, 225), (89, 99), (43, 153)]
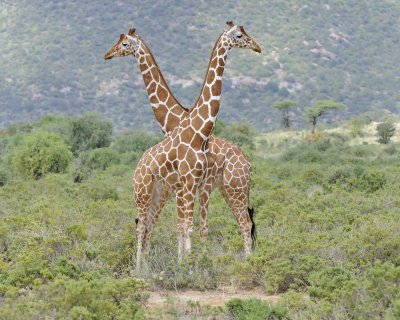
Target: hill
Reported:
[(52, 57)]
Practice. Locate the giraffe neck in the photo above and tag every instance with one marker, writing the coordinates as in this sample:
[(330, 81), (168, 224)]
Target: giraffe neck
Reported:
[(204, 113), (167, 109)]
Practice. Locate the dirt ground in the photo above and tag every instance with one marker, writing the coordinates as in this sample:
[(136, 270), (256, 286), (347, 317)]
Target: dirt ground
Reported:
[(211, 298)]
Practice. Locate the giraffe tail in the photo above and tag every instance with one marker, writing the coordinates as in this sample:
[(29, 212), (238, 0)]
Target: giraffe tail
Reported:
[(253, 227)]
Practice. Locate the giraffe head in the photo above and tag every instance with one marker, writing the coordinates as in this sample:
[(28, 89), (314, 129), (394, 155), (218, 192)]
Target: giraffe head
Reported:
[(236, 37), (128, 44)]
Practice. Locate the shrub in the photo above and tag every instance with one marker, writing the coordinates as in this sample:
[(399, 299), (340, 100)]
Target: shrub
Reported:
[(3, 176), (90, 132), (39, 153), (68, 298), (369, 181), (60, 125), (136, 141), (328, 282), (101, 159), (240, 134), (391, 150), (97, 159), (255, 309)]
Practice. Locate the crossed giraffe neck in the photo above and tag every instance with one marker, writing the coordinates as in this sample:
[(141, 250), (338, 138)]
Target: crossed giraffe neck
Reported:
[(204, 113), (167, 110)]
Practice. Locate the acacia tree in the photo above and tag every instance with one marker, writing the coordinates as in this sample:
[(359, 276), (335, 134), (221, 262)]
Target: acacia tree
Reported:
[(320, 107), (385, 132), (284, 107)]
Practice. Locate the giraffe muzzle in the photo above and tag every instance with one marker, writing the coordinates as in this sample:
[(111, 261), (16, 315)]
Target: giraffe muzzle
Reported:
[(108, 56), (256, 47)]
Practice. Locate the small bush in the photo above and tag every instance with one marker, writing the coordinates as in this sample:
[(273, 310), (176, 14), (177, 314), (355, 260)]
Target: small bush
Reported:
[(136, 141), (90, 132), (39, 153), (101, 159), (255, 309), (328, 282), (240, 134), (3, 176), (391, 150), (97, 159), (339, 176), (369, 181)]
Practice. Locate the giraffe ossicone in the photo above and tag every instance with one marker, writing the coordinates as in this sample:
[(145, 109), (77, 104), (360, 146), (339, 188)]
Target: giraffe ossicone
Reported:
[(185, 175)]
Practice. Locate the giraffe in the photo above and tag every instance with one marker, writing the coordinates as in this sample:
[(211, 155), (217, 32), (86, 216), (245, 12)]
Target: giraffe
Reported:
[(154, 179), (231, 171)]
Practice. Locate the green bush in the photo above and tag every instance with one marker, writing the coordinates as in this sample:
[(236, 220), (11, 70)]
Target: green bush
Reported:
[(101, 159), (97, 159), (60, 125), (39, 153), (78, 299), (240, 134), (369, 181), (3, 176), (90, 132), (136, 141), (255, 309), (328, 282)]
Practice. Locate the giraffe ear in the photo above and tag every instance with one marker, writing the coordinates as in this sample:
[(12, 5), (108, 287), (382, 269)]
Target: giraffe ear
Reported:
[(231, 32), (131, 31), (230, 24)]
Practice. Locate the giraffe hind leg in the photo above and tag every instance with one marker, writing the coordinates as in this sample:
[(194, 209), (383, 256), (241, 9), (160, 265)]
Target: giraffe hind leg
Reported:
[(143, 195), (159, 198), (238, 202)]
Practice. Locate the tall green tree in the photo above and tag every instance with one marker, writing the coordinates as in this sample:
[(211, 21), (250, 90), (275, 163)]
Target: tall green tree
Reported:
[(284, 107), (320, 107), (385, 132)]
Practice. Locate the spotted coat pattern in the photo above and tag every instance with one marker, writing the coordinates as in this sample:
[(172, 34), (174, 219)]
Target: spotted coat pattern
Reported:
[(180, 163)]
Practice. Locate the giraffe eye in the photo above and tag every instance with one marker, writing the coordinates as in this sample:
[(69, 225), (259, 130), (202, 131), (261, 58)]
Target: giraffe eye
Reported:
[(124, 44), (240, 36)]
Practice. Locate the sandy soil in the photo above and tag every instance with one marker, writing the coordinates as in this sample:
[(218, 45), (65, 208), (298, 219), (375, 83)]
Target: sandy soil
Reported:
[(211, 298)]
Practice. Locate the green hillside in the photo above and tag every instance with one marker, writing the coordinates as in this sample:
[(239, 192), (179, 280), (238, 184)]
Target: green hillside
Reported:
[(52, 56)]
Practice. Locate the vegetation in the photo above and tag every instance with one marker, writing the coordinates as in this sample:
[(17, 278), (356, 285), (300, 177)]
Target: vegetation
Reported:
[(40, 153), (385, 132), (284, 107), (327, 214), (90, 132), (319, 108), (342, 50)]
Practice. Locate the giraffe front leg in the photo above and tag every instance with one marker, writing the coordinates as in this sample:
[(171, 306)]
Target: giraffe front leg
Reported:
[(181, 223), (204, 198), (189, 208)]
